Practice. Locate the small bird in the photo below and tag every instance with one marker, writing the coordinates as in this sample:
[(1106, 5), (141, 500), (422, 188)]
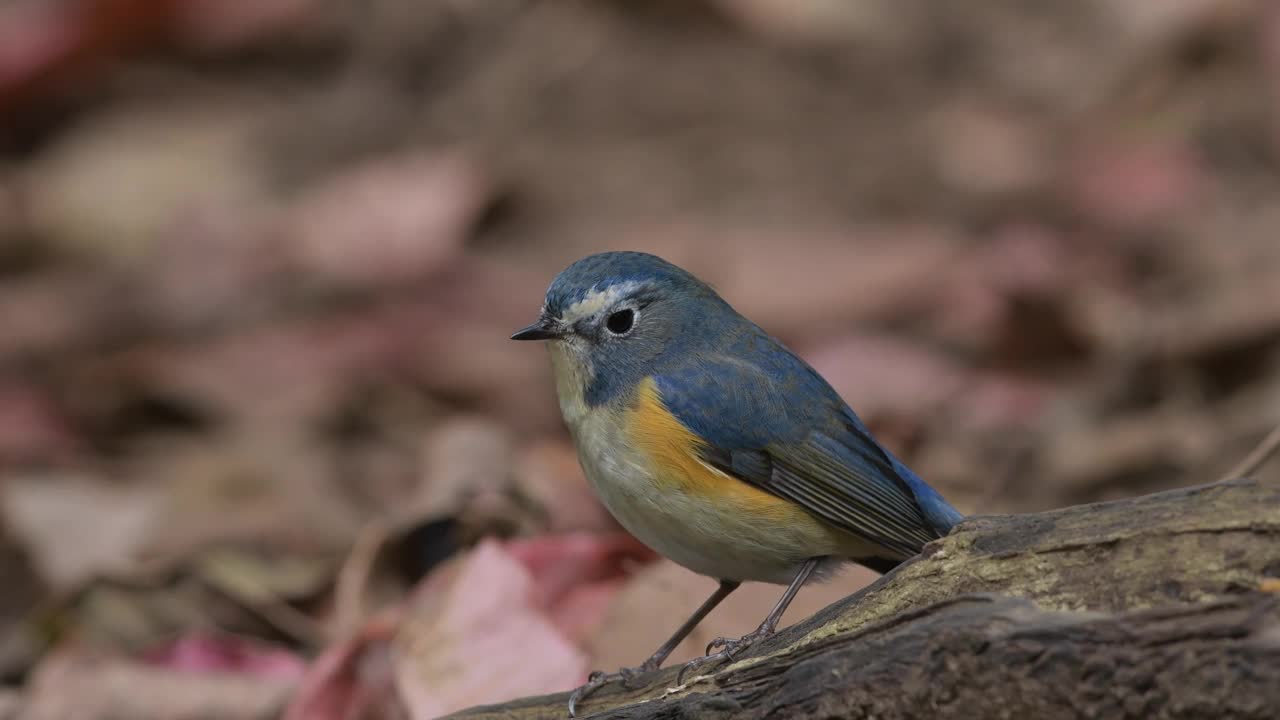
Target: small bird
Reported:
[(715, 445)]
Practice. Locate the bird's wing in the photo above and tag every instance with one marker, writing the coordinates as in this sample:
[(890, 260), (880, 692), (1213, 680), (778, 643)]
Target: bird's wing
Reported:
[(784, 430)]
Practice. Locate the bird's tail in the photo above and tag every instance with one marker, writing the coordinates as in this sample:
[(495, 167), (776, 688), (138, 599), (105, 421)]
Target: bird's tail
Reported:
[(940, 515)]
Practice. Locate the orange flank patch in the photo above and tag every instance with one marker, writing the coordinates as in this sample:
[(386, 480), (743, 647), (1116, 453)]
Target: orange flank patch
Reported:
[(673, 449)]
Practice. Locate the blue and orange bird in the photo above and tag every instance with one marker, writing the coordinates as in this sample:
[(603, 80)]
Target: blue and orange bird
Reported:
[(715, 445)]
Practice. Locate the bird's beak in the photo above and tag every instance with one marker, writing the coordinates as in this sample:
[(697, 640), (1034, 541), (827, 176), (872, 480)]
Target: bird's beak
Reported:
[(544, 329)]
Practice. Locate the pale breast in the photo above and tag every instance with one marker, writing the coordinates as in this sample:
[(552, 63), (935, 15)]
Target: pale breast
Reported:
[(712, 535)]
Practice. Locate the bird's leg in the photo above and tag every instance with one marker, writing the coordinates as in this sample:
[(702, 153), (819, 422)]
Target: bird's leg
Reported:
[(770, 623), (733, 647), (598, 678)]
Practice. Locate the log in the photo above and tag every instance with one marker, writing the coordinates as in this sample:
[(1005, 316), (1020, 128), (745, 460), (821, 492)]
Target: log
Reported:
[(1162, 606)]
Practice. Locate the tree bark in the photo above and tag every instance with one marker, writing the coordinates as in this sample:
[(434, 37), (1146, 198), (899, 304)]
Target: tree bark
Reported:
[(1162, 606)]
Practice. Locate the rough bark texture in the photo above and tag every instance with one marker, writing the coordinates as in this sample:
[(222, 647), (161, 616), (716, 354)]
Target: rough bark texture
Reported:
[(1164, 606)]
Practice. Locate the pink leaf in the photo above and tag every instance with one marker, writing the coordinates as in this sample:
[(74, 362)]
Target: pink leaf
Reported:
[(206, 652), (503, 621)]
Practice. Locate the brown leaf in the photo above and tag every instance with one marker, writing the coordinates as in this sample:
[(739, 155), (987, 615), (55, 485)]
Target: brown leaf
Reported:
[(993, 402), (51, 313), (76, 684), (389, 220), (462, 458), (32, 428), (887, 375), (872, 273), (548, 473), (1086, 459), (264, 487), (1134, 185), (209, 24), (819, 22), (77, 528), (79, 202), (986, 149), (12, 705)]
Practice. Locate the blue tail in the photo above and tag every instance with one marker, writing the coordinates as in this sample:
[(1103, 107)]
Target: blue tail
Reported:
[(937, 511)]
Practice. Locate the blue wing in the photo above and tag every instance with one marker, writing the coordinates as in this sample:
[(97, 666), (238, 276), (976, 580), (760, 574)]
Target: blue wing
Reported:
[(769, 419)]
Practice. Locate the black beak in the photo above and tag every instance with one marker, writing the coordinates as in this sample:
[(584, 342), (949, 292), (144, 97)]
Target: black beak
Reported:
[(543, 329)]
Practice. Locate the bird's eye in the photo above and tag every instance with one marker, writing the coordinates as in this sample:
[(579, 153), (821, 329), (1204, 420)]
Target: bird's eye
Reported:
[(620, 322)]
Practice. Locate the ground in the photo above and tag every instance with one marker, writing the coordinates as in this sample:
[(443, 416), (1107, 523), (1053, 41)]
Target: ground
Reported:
[(258, 266)]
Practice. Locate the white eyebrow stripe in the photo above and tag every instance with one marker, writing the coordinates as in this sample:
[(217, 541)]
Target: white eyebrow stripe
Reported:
[(596, 301)]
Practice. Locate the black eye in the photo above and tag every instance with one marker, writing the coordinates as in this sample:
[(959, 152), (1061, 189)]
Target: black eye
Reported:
[(620, 322)]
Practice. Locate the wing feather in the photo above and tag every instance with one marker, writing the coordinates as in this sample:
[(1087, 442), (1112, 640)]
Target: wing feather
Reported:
[(816, 454)]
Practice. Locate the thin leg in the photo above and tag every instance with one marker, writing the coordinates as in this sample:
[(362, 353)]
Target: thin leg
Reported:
[(767, 628), (771, 620), (660, 655), (655, 660)]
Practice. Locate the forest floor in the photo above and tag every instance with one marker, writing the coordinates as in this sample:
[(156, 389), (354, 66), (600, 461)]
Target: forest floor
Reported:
[(264, 442)]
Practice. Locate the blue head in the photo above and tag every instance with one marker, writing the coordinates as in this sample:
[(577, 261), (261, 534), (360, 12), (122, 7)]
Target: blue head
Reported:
[(611, 318)]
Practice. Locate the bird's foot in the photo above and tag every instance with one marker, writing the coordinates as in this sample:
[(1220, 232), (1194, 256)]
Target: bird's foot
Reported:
[(599, 678), (729, 649)]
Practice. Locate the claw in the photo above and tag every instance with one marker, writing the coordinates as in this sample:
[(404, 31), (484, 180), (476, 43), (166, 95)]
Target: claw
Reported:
[(600, 678), (730, 649), (707, 659), (594, 680)]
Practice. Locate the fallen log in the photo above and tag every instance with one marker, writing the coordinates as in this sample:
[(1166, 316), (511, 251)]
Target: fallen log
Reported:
[(1162, 606)]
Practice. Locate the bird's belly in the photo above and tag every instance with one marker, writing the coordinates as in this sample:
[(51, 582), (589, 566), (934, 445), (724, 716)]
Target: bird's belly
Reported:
[(738, 533)]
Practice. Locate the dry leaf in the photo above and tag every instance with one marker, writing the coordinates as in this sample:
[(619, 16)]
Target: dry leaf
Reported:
[(76, 528), (467, 635), (549, 474), (73, 684), (887, 375), (388, 221), (204, 652)]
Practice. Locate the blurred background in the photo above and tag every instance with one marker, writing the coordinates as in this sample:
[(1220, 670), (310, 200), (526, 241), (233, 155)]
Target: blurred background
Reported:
[(265, 448)]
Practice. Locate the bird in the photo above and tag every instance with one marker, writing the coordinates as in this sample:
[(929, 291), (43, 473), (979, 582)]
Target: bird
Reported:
[(715, 445)]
